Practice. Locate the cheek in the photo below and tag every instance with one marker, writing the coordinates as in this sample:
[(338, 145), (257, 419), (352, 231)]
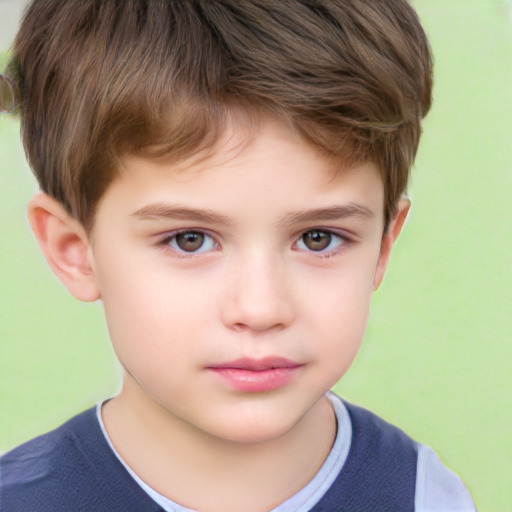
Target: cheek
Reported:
[(341, 295), (336, 310), (151, 316), (343, 323)]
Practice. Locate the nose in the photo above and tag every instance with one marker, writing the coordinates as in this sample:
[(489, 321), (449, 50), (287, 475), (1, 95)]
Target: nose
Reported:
[(258, 297)]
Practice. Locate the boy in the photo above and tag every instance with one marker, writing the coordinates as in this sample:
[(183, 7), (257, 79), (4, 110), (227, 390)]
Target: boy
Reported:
[(227, 176)]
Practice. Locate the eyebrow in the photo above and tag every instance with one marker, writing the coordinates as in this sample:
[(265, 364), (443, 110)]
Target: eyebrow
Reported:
[(172, 211), (336, 212), (157, 211)]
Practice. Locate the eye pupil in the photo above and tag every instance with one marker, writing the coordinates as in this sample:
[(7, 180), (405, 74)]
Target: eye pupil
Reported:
[(190, 241), (316, 240)]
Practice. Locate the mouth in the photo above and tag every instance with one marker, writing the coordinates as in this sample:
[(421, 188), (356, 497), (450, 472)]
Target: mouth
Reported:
[(257, 375)]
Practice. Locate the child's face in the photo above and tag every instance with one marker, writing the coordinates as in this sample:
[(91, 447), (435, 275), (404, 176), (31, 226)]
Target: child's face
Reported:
[(237, 288)]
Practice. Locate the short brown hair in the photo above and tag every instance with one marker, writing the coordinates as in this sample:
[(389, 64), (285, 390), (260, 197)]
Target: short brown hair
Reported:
[(99, 79)]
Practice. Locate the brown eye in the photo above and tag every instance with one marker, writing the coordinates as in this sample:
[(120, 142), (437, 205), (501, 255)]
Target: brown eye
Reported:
[(188, 241), (316, 240)]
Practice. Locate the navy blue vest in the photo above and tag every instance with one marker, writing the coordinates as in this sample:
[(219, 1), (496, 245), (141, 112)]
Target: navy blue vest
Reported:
[(72, 469), (380, 471)]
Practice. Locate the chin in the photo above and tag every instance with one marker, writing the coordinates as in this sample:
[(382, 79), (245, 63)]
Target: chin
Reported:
[(252, 431), (253, 436)]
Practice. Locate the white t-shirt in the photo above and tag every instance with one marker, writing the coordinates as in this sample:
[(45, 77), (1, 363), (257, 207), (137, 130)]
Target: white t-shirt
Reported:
[(437, 488)]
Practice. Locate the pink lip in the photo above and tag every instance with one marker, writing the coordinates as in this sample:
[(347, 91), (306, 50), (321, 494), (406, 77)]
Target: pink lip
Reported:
[(257, 375)]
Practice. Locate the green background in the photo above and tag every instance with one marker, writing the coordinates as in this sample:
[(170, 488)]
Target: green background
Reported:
[(437, 358)]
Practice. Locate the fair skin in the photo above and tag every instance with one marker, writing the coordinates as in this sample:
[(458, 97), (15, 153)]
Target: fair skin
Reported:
[(212, 273)]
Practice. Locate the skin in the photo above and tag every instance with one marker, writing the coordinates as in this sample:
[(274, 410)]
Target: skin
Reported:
[(285, 254)]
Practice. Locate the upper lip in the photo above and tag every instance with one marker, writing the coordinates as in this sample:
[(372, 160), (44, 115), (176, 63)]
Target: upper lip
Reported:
[(257, 365)]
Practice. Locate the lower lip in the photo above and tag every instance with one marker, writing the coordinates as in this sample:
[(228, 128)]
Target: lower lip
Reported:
[(252, 381)]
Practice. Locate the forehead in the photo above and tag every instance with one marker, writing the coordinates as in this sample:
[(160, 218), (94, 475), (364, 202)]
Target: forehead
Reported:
[(266, 168)]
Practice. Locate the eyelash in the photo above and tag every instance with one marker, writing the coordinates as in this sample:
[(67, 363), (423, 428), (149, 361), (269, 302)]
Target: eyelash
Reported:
[(342, 241), (171, 238)]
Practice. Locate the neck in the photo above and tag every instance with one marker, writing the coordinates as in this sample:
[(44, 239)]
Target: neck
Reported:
[(176, 459)]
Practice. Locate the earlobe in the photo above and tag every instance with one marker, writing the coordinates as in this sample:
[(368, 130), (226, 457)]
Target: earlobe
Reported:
[(389, 238), (65, 245)]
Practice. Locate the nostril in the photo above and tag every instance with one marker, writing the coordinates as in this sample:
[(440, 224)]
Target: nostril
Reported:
[(237, 327)]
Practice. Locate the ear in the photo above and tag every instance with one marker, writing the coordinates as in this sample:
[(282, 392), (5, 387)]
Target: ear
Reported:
[(389, 238), (65, 246)]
